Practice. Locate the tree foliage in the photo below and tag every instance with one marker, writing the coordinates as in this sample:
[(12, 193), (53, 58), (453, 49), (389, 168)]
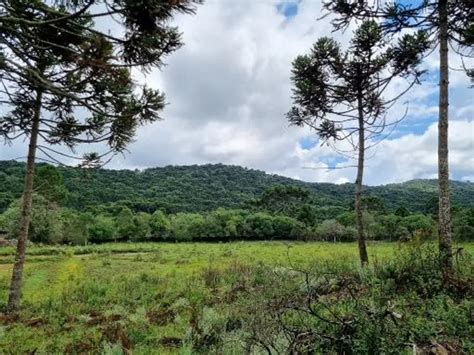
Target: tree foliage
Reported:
[(208, 187)]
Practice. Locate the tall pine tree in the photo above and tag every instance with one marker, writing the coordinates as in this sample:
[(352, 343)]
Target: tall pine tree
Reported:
[(66, 81), (342, 94)]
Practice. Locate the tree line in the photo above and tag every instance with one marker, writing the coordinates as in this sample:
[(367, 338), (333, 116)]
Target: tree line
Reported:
[(279, 213)]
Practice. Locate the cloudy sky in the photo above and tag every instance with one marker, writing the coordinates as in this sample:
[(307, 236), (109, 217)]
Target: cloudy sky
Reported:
[(229, 88)]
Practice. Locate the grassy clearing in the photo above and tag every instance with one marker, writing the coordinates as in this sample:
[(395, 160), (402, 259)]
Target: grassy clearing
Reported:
[(175, 298)]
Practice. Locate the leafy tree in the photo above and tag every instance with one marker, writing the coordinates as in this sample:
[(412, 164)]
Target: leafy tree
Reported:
[(67, 81), (432, 207), (160, 226), (285, 227), (374, 204), (282, 199), (341, 94), (102, 229), (5, 199), (445, 24), (418, 225), (49, 183), (45, 223), (227, 223), (234, 226), (188, 226), (125, 224), (402, 211), (390, 225), (463, 224), (75, 227), (307, 214), (213, 226), (331, 230), (327, 212), (259, 226), (141, 224), (347, 218)]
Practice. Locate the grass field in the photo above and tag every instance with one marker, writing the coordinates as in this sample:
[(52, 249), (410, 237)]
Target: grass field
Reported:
[(145, 298)]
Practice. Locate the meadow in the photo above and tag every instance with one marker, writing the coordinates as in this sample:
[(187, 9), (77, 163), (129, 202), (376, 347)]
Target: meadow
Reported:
[(201, 297)]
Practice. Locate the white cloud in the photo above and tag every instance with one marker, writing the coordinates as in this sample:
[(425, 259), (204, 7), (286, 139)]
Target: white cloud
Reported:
[(229, 89)]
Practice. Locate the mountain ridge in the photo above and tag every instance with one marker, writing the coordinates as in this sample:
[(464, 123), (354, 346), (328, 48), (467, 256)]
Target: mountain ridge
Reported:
[(197, 188)]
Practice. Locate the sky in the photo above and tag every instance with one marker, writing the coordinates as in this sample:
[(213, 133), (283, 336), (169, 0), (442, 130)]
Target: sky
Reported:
[(229, 87)]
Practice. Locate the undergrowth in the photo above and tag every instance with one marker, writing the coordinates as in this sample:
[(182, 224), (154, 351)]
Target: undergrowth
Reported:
[(156, 303)]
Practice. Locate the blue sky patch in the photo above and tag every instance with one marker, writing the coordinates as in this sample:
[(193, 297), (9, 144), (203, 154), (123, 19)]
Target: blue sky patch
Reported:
[(308, 143), (288, 8)]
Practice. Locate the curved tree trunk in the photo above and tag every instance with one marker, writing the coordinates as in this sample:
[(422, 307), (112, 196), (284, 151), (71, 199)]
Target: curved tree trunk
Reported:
[(17, 274), (445, 238), (364, 258)]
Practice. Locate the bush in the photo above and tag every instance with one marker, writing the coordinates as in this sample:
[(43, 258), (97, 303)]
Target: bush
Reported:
[(463, 224), (418, 225), (287, 228), (336, 308), (259, 226), (102, 229), (45, 225), (415, 267)]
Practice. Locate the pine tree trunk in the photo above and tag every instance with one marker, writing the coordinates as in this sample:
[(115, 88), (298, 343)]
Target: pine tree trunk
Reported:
[(445, 238), (364, 258), (17, 274)]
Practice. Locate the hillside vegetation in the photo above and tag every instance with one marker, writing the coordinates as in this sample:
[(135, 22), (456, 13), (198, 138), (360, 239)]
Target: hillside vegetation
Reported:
[(198, 188), (218, 203)]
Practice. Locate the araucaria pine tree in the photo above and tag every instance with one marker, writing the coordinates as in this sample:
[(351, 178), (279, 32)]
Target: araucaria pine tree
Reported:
[(447, 24), (66, 81), (342, 94)]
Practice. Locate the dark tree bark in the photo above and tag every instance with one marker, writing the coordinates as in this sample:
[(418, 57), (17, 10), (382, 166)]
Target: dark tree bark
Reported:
[(445, 237), (17, 273), (364, 258)]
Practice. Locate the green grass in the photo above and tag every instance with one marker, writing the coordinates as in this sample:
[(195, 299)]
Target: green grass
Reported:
[(145, 296)]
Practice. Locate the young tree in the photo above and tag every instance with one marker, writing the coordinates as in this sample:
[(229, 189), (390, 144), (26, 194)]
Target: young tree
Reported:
[(341, 94), (67, 81), (446, 23)]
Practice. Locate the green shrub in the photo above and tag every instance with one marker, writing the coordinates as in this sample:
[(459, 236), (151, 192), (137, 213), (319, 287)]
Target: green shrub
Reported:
[(45, 225), (102, 229), (287, 228), (259, 226), (389, 308)]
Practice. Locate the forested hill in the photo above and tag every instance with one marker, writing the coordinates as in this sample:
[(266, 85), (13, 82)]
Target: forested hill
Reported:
[(207, 187)]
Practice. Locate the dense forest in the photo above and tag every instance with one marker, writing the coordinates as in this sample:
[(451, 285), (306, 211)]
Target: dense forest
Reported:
[(199, 188), (218, 203)]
